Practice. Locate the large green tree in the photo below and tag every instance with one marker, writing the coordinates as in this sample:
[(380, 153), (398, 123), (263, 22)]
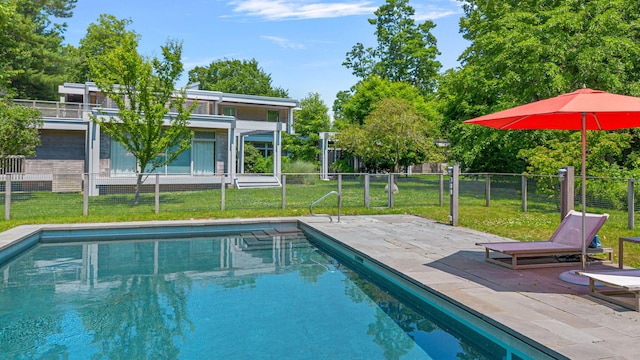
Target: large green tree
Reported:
[(19, 130), (143, 90), (405, 51), (393, 136), (529, 50), (237, 77), (311, 119), (352, 107), (33, 61), (107, 33)]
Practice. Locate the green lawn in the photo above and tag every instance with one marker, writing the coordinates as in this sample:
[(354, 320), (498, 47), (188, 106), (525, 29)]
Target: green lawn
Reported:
[(419, 195)]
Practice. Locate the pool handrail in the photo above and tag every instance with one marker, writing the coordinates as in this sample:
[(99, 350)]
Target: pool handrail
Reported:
[(322, 198)]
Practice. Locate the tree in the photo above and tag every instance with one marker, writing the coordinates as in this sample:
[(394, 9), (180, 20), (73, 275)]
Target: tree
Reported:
[(542, 49), (527, 51), (143, 90), (351, 110), (606, 153), (394, 135), (237, 77), (254, 161), (311, 119), (19, 130), (406, 51), (354, 106), (33, 61), (104, 35)]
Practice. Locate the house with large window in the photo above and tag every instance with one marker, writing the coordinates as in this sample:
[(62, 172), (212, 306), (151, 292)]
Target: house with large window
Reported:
[(221, 122)]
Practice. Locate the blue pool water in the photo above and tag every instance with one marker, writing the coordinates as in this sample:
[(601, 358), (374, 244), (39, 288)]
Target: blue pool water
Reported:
[(258, 293)]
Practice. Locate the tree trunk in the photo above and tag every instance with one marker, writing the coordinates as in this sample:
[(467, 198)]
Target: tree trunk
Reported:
[(138, 186)]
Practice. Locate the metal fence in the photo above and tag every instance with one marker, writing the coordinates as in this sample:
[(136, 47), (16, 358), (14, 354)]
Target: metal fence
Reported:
[(33, 196)]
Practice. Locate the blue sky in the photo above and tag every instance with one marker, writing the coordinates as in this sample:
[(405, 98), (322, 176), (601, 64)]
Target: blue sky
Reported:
[(301, 43)]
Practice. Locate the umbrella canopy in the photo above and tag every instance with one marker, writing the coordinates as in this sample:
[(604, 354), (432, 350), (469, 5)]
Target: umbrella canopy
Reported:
[(603, 110), (583, 109)]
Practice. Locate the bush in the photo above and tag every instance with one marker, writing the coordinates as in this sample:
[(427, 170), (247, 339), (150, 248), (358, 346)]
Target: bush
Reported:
[(304, 172), (341, 166), (254, 161)]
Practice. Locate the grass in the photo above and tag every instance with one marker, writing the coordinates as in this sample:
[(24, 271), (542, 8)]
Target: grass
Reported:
[(419, 195)]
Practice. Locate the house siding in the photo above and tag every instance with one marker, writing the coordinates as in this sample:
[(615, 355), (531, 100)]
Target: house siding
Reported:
[(62, 155), (252, 113)]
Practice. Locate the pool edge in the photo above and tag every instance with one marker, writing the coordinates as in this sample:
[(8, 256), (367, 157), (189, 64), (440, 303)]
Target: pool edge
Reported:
[(16, 241)]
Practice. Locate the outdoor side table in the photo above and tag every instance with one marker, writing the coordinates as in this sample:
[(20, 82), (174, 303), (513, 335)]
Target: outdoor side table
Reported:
[(621, 248)]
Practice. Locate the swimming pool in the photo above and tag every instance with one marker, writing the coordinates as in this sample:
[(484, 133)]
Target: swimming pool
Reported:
[(231, 291)]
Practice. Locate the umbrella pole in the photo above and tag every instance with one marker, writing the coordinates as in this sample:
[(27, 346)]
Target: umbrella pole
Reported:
[(584, 188)]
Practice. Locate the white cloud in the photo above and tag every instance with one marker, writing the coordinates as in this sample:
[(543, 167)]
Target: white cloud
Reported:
[(282, 42), (433, 12), (297, 9)]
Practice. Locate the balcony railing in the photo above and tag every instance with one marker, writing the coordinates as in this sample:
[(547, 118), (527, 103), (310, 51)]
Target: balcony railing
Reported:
[(70, 110), (11, 164), (53, 109)]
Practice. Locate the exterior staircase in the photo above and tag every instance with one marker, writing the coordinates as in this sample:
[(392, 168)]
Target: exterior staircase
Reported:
[(244, 181)]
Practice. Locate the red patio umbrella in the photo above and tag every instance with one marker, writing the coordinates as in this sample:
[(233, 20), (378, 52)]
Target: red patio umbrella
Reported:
[(583, 109)]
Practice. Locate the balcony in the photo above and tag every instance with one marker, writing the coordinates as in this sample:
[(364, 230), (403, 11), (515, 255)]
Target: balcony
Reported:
[(53, 109), (62, 110)]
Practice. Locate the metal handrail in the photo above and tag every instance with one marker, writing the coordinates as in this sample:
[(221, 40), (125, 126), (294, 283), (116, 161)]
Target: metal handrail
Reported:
[(322, 198)]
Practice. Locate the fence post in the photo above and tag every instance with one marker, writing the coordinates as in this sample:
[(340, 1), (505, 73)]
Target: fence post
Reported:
[(339, 195), (524, 193), (284, 191), (631, 204), (157, 192), (367, 200), (487, 190), (454, 173), (7, 197), (223, 185), (85, 196), (391, 193), (567, 190), (441, 189)]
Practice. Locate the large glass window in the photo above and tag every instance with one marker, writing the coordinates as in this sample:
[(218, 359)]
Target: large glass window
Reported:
[(273, 115), (201, 155), (229, 111), (265, 148), (182, 164), (204, 153), (203, 158), (122, 161)]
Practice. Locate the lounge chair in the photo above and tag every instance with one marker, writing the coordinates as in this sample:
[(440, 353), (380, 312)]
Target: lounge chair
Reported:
[(565, 243), (625, 284)]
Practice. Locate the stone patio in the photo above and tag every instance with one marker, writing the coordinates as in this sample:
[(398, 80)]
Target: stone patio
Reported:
[(533, 302)]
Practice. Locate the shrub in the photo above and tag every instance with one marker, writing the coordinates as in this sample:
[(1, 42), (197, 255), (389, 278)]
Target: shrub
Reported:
[(305, 172), (254, 161)]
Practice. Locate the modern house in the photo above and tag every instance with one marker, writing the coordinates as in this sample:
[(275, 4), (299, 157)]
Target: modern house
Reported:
[(222, 123)]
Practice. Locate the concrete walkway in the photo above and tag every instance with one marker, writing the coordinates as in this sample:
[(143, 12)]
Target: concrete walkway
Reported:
[(533, 302)]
